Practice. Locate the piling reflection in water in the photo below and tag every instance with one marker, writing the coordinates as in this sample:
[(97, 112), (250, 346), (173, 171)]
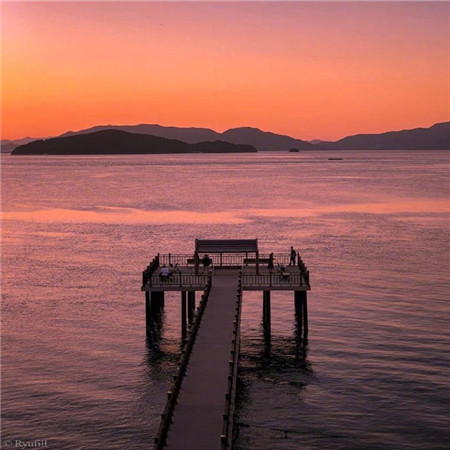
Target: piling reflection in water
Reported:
[(278, 363)]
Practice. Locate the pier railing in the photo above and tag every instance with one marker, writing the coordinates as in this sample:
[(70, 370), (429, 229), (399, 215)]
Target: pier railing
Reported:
[(179, 279), (150, 270), (273, 279), (303, 269), (174, 259), (172, 394), (228, 415), (225, 259)]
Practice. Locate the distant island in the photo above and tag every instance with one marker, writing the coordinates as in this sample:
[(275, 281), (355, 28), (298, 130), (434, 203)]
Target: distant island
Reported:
[(205, 140), (114, 142), (437, 137)]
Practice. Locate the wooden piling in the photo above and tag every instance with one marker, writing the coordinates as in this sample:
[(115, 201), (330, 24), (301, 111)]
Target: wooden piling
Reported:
[(305, 315), (157, 298), (298, 295), (301, 312), (183, 315), (191, 305), (266, 311), (147, 312)]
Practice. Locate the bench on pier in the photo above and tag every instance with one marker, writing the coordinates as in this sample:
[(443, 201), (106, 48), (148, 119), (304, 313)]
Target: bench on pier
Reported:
[(226, 245)]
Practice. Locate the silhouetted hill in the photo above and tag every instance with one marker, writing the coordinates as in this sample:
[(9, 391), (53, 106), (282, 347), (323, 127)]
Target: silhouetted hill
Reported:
[(437, 137), (189, 135), (8, 145), (107, 142), (265, 140), (261, 140)]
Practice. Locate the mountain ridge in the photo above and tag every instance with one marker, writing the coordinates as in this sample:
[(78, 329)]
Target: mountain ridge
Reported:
[(435, 137), (262, 140)]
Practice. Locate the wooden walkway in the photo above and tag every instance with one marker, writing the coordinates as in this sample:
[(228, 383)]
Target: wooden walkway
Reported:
[(200, 407), (198, 417)]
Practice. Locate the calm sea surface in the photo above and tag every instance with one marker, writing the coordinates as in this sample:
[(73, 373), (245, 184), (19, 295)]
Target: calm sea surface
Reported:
[(372, 228)]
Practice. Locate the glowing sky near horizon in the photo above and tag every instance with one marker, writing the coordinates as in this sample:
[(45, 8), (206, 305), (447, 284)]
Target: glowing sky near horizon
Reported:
[(307, 69)]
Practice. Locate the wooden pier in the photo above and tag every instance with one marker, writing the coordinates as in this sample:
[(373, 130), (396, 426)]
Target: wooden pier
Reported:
[(200, 405)]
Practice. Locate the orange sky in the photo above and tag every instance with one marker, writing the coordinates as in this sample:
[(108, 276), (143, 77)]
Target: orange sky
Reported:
[(307, 69)]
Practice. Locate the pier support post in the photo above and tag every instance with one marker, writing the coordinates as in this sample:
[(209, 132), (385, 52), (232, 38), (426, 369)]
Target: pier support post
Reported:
[(156, 302), (266, 311), (183, 314), (305, 316), (147, 313), (301, 312), (191, 305)]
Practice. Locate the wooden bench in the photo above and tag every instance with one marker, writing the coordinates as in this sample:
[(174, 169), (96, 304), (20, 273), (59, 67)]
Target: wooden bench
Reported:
[(226, 245)]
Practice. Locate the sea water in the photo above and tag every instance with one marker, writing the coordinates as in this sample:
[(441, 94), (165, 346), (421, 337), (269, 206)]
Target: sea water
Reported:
[(372, 228)]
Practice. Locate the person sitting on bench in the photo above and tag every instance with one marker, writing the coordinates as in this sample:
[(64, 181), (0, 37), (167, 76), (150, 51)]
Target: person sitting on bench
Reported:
[(282, 271), (207, 261), (165, 273)]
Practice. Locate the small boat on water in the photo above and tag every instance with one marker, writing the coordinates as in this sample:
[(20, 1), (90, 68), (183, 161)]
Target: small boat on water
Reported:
[(334, 159)]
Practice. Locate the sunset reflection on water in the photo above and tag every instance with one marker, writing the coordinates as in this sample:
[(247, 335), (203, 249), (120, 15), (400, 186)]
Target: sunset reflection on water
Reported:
[(115, 215), (372, 229)]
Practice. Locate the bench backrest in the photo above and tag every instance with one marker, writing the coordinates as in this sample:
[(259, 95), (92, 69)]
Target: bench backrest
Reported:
[(226, 245)]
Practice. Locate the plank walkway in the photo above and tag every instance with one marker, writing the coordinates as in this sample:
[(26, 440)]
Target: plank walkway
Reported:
[(198, 417)]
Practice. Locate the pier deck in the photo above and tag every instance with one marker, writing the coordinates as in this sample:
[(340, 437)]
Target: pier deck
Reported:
[(198, 417), (200, 406)]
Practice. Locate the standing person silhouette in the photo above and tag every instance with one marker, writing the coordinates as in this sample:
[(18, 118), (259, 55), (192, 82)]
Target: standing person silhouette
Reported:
[(270, 264), (207, 261), (196, 262), (292, 258)]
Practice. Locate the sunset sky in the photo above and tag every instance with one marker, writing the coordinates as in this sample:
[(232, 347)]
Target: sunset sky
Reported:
[(307, 69)]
